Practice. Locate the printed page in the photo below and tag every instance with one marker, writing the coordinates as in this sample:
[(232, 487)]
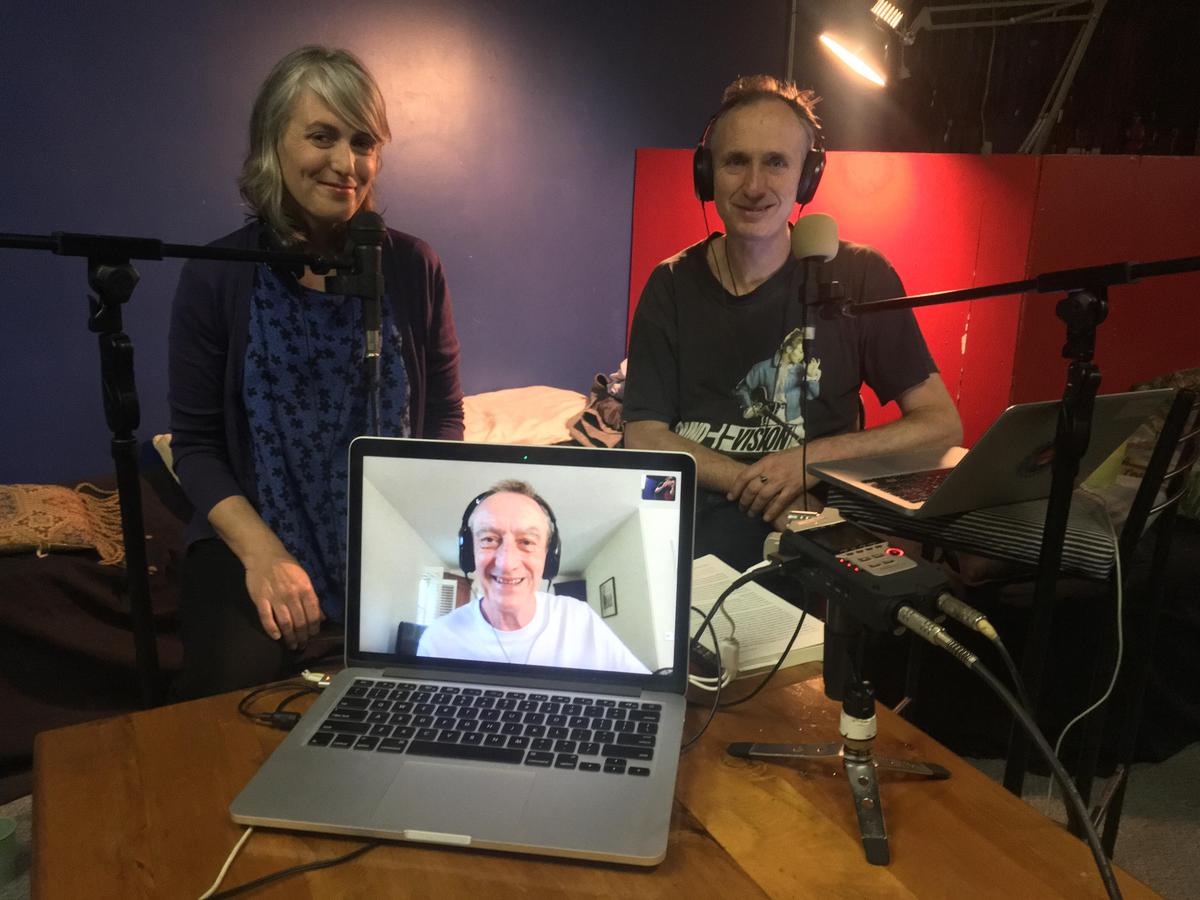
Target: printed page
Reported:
[(761, 621)]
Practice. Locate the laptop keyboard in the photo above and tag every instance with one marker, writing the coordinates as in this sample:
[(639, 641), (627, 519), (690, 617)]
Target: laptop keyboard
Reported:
[(591, 734), (916, 487)]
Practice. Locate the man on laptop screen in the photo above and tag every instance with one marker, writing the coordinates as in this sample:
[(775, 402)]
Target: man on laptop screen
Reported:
[(509, 539)]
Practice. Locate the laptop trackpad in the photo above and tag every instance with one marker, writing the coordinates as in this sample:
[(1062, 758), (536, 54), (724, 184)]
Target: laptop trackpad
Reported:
[(455, 798)]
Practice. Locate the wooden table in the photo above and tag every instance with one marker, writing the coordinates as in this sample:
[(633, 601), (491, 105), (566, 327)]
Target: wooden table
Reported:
[(137, 806)]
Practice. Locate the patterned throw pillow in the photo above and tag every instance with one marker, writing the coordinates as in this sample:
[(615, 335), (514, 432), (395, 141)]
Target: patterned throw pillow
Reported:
[(45, 517)]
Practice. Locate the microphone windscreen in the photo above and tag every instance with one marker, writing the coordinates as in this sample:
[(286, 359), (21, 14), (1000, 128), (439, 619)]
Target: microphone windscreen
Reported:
[(815, 236), (366, 227)]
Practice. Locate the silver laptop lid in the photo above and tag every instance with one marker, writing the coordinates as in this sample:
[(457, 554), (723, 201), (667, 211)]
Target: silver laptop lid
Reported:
[(1010, 463), (620, 534)]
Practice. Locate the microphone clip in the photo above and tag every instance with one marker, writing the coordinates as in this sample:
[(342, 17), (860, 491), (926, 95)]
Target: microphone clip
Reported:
[(360, 271), (830, 292)]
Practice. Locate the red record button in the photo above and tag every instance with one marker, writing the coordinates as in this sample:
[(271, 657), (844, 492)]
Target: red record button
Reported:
[(894, 551)]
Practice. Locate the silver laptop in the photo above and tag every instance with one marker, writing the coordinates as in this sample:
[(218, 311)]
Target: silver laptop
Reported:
[(484, 704), (1010, 463)]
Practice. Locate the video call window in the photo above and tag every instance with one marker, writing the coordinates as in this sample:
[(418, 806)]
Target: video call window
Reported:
[(660, 487), (448, 575)]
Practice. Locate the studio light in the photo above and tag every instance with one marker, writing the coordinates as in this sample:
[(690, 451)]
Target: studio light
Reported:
[(891, 17), (857, 60)]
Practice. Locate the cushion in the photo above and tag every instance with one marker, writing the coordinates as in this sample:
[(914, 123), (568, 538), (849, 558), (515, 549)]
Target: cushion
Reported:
[(527, 415), (45, 517)]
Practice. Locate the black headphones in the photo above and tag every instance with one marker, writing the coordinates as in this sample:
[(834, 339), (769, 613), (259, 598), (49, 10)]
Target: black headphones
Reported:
[(466, 540), (810, 173)]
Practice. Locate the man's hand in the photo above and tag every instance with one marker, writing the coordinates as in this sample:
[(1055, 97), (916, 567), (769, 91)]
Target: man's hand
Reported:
[(284, 597), (770, 486)]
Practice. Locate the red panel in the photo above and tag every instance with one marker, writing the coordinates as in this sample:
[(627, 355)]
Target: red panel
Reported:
[(666, 215), (1007, 186), (1098, 209), (944, 222)]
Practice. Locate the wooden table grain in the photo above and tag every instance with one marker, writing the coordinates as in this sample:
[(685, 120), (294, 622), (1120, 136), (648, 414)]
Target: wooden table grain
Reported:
[(137, 806)]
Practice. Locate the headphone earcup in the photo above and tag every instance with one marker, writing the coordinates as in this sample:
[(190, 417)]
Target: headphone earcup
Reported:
[(466, 550), (466, 540), (810, 174), (553, 556), (702, 173)]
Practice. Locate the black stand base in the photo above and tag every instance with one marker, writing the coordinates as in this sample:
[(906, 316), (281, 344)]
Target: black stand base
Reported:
[(858, 761)]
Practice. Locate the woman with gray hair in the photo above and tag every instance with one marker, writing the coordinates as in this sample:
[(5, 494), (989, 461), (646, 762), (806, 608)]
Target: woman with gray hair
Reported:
[(267, 385)]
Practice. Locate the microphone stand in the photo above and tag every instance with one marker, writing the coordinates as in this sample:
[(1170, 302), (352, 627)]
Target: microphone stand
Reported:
[(1082, 310), (857, 726), (113, 278)]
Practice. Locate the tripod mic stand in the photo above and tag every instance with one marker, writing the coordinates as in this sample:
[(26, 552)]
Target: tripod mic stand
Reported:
[(857, 726), (113, 283), (1084, 307), (112, 277)]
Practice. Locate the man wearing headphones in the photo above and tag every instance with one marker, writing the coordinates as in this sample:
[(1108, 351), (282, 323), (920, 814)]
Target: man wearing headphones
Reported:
[(509, 539), (708, 316)]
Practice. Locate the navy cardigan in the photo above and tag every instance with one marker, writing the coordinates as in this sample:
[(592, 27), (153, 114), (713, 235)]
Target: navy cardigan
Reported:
[(210, 435)]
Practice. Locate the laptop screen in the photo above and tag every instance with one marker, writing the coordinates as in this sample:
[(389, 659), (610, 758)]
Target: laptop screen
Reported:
[(536, 560)]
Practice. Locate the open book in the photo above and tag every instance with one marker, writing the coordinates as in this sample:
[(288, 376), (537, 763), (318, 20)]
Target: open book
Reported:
[(761, 621)]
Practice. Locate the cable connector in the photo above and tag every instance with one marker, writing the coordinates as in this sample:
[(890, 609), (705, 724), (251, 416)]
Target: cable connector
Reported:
[(320, 679), (967, 615), (284, 720), (704, 661), (730, 651), (935, 634)]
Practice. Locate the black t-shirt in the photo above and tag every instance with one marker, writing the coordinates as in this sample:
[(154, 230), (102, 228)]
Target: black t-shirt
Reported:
[(707, 363)]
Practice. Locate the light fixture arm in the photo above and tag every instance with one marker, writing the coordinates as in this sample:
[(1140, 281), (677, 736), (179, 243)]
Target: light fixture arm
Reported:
[(959, 16), (947, 17), (1039, 134)]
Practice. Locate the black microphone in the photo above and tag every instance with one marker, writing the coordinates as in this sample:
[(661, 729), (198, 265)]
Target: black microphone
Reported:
[(365, 281), (365, 277), (367, 232)]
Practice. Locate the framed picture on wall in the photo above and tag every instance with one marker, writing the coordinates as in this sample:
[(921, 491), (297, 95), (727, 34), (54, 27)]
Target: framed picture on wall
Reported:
[(608, 598)]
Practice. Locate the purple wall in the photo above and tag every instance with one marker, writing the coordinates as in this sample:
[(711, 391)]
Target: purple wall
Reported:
[(514, 125)]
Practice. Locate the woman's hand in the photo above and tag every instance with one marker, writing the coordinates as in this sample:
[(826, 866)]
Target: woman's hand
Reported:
[(283, 595), (280, 588)]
